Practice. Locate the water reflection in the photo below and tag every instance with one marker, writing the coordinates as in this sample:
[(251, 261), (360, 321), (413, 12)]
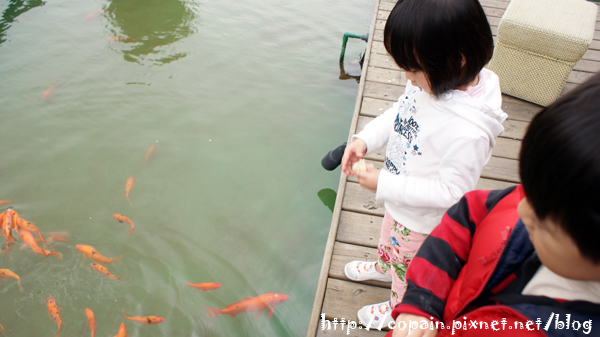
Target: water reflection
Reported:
[(148, 28), (14, 9), (344, 75)]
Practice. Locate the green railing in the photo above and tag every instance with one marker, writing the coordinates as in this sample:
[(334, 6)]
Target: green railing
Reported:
[(343, 75)]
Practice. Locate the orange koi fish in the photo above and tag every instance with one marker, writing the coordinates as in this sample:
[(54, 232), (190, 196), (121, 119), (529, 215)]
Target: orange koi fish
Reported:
[(15, 217), (150, 151), (30, 227), (29, 240), (258, 303), (48, 91), (148, 320), (122, 331), (57, 236), (119, 39), (54, 313), (91, 319), (128, 187), (7, 225), (102, 270), (89, 16), (121, 218), (52, 237), (91, 252), (205, 286), (4, 202), (4, 273)]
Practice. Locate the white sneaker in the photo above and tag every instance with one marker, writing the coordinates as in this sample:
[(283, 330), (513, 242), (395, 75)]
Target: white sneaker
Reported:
[(375, 316), (362, 271)]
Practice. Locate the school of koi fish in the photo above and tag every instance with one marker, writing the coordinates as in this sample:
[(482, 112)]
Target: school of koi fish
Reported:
[(32, 238)]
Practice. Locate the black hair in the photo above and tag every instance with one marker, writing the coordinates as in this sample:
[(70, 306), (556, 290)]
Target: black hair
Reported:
[(433, 35), (560, 165)]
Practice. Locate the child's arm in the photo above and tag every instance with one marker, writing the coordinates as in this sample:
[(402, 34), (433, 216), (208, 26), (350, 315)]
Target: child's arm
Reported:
[(459, 170), (377, 132)]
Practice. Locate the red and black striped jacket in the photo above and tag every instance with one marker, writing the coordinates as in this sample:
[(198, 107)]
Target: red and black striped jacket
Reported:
[(473, 267)]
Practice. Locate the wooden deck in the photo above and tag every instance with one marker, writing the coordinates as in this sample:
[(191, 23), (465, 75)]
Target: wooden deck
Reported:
[(357, 217)]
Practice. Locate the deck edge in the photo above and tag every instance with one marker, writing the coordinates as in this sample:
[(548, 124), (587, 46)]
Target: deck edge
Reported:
[(324, 274)]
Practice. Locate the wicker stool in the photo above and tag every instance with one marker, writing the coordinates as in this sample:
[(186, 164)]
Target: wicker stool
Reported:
[(539, 42)]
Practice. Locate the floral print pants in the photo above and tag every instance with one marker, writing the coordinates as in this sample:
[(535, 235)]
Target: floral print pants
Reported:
[(397, 246)]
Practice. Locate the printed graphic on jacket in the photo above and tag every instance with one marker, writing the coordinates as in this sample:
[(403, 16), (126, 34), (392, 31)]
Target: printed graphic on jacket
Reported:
[(403, 142)]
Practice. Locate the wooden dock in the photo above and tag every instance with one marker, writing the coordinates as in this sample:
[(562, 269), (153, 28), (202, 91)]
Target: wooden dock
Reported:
[(356, 221)]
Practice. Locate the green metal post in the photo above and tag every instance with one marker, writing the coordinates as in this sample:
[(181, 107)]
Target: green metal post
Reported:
[(352, 35)]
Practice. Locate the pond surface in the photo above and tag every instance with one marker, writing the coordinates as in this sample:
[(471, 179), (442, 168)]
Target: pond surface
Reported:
[(240, 99)]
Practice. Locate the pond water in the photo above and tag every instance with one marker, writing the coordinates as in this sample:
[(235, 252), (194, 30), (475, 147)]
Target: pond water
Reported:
[(241, 100)]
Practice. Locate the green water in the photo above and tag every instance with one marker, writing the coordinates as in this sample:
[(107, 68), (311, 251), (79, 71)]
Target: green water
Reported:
[(241, 100)]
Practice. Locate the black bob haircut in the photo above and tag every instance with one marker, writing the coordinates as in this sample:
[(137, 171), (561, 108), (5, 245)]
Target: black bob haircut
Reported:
[(560, 165), (433, 36)]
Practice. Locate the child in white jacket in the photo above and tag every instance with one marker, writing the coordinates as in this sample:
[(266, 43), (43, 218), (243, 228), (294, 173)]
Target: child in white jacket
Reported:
[(439, 134)]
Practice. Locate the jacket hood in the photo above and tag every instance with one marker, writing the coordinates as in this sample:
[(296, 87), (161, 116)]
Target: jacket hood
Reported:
[(484, 111)]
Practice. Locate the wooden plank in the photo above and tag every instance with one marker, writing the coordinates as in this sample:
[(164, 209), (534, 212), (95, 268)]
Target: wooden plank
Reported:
[(327, 255), (374, 107), (587, 65), (595, 45), (494, 21), (383, 75), (383, 15), (489, 184), (344, 253), (519, 111), (497, 169), (494, 3), (506, 148), (327, 330), (383, 91), (493, 12), (344, 298), (359, 229), (578, 77), (383, 61), (360, 200), (386, 6), (379, 48), (592, 55), (378, 35), (514, 129)]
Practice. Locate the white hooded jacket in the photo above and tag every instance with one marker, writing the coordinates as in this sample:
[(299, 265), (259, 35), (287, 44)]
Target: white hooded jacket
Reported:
[(436, 149)]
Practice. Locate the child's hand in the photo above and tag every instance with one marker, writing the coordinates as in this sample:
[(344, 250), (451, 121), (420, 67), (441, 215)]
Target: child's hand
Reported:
[(354, 151), (369, 179), (413, 330)]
